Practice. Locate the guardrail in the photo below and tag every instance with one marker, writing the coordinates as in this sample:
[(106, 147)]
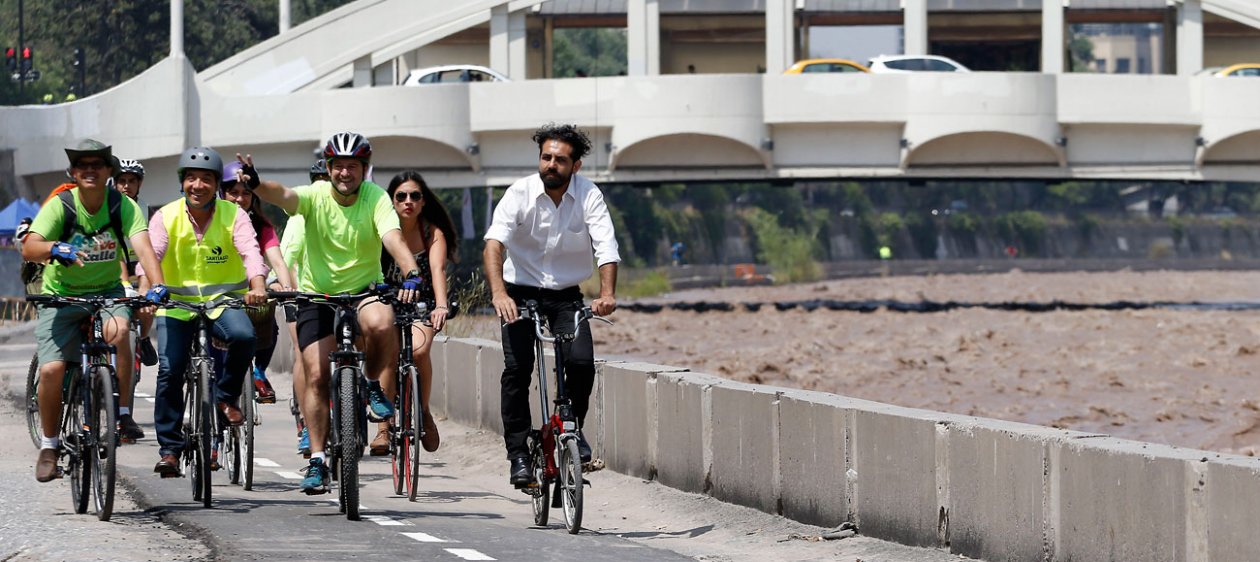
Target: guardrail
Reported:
[(983, 488)]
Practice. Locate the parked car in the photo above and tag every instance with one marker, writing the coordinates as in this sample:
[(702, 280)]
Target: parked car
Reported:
[(452, 74), (914, 63), (1245, 69), (811, 66)]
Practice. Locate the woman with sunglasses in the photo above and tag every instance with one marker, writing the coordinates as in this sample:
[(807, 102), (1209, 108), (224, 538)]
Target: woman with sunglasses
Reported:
[(430, 235)]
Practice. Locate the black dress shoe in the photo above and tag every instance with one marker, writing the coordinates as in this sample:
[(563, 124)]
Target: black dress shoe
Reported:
[(521, 474), (584, 448)]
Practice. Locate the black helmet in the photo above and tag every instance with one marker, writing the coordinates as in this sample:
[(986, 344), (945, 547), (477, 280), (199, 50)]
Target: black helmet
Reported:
[(200, 158), (92, 147), (319, 168), (348, 145)]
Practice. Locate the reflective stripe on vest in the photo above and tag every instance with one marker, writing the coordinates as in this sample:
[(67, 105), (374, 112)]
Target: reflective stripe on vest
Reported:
[(206, 270)]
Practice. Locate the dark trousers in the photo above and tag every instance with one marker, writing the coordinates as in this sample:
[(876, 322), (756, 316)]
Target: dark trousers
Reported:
[(174, 342), (557, 306)]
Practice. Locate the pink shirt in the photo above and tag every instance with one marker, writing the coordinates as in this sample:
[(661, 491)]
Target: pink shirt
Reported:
[(243, 237), (267, 238)]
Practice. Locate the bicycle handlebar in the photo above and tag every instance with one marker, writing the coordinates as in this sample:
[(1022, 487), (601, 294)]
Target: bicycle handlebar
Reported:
[(530, 312), (201, 307), (89, 301), (342, 299)]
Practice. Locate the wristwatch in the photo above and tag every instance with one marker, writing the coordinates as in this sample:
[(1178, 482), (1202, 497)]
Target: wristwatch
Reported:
[(411, 274)]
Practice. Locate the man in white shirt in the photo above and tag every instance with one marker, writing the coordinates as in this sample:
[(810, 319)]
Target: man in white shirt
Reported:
[(549, 225)]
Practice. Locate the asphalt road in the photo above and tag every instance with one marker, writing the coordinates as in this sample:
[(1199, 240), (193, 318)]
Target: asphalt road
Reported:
[(467, 510)]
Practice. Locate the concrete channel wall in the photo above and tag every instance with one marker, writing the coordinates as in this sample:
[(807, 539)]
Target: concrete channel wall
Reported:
[(983, 488)]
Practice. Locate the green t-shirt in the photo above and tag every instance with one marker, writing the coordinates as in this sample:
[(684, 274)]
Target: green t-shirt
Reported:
[(100, 268), (343, 244), (293, 245)]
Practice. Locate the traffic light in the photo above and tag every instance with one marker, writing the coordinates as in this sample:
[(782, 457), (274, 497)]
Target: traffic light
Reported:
[(78, 58), (28, 59), (10, 58)]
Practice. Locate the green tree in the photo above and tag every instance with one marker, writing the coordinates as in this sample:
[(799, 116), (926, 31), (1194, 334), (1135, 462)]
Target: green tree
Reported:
[(593, 51), (122, 38)]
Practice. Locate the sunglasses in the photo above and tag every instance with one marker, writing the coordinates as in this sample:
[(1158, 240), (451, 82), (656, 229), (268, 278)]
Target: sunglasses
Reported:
[(402, 196), (89, 164)]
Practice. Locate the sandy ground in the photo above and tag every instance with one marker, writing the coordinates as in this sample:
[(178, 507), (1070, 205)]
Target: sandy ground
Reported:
[(1180, 377)]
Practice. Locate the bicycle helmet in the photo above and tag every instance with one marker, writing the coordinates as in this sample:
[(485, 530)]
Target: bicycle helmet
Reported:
[(348, 145), (129, 166), (319, 168), (200, 158), (229, 173)]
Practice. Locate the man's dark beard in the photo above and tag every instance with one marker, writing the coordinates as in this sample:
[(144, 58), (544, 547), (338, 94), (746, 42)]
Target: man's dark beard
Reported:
[(553, 180)]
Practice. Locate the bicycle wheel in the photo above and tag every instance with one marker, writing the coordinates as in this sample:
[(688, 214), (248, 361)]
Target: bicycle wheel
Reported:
[(570, 487), (189, 453), (103, 423), (75, 444), (400, 440), (417, 427), (230, 453), (203, 431), (32, 402), (541, 494), (250, 410), (351, 410)]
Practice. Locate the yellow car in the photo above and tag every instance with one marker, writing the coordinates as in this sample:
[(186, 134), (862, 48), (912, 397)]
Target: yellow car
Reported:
[(1245, 69), (811, 66)]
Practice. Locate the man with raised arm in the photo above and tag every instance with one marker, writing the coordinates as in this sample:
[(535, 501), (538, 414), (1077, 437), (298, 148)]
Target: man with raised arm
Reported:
[(347, 220), (550, 226)]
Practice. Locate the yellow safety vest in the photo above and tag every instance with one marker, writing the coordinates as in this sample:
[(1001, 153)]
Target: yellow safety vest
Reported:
[(203, 270)]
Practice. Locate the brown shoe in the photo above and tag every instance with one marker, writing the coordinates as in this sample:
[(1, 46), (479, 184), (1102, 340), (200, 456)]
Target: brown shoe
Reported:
[(168, 467), (431, 439), (380, 445), (46, 467), (232, 413)]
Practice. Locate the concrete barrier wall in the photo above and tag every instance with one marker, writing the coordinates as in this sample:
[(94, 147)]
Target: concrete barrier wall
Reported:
[(987, 489)]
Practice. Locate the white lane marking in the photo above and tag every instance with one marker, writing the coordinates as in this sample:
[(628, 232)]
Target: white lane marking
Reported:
[(383, 520), (151, 400), (143, 395), (288, 475), (424, 537), (468, 554), (266, 462), (337, 503)]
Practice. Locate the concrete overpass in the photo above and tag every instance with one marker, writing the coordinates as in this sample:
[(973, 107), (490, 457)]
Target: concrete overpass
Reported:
[(280, 99)]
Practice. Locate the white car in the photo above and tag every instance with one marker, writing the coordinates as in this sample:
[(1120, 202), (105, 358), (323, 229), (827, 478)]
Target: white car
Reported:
[(452, 74), (914, 63)]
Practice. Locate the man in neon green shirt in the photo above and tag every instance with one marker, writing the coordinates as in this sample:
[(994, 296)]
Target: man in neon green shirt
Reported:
[(348, 220), (85, 264)]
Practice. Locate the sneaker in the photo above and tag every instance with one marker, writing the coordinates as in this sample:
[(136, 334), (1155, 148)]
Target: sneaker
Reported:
[(316, 481), (214, 459), (304, 443), (379, 407), (263, 392), (148, 355), (128, 431)]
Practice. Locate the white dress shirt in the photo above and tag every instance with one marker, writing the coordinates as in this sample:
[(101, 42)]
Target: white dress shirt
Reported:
[(550, 246)]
